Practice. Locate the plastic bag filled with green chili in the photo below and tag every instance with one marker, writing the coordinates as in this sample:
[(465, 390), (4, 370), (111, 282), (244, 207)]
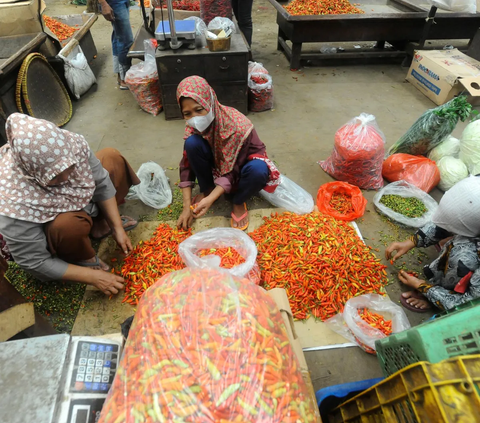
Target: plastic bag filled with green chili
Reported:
[(400, 211), (208, 347), (432, 128)]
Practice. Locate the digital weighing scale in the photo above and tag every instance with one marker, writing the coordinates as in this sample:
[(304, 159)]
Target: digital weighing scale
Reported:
[(56, 379)]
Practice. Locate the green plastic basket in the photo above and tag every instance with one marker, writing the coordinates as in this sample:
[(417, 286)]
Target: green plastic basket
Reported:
[(453, 333)]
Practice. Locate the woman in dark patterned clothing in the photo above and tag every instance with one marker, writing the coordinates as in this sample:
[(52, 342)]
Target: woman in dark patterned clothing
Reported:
[(454, 277)]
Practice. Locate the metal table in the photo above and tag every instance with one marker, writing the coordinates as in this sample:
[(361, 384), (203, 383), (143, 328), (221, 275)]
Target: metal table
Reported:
[(397, 21), (225, 71)]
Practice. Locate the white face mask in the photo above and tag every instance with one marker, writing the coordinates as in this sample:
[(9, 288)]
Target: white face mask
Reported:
[(200, 123)]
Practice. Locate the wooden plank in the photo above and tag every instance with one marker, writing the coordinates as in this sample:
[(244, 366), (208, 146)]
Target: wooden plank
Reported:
[(15, 320), (16, 59)]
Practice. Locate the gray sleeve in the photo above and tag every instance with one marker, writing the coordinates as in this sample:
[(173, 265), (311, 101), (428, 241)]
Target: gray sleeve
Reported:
[(28, 245), (104, 189)]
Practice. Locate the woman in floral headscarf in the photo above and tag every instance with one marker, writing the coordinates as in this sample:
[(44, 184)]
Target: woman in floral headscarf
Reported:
[(54, 194), (222, 151)]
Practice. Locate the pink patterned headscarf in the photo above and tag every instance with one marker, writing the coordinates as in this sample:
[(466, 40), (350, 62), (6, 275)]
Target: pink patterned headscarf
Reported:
[(37, 151), (229, 129)]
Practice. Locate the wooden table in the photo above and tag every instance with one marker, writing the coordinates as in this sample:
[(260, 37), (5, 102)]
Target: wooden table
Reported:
[(225, 71)]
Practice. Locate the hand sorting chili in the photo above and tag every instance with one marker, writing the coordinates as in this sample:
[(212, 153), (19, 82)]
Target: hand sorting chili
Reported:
[(206, 347), (320, 261), (152, 259), (376, 321), (59, 29), (322, 7)]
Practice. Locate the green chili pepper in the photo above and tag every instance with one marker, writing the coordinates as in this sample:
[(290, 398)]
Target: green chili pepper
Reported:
[(227, 393)]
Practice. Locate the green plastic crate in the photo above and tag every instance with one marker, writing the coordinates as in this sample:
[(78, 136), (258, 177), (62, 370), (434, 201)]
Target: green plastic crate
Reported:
[(452, 334)]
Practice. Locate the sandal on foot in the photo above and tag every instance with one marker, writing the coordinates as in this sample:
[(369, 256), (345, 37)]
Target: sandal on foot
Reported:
[(126, 227), (417, 295), (95, 263), (237, 220)]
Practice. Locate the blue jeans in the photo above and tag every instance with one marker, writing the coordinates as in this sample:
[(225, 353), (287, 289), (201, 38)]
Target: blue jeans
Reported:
[(253, 175), (122, 36)]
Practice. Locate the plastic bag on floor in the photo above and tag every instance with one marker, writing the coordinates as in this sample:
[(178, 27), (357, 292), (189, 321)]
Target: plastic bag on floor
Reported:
[(417, 170), (350, 325), (206, 347), (142, 80), (450, 146), (154, 189), (457, 6), (405, 189), (358, 153), (432, 127), (260, 92), (198, 251), (78, 74), (290, 196), (452, 170), (327, 191)]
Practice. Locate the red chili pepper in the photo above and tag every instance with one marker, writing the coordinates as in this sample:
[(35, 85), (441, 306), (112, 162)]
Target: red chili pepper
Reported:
[(230, 257), (61, 30), (322, 7), (210, 9), (376, 320)]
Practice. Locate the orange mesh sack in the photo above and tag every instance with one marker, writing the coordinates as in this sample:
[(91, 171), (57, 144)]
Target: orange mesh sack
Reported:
[(341, 201), (417, 170), (208, 347), (358, 153)]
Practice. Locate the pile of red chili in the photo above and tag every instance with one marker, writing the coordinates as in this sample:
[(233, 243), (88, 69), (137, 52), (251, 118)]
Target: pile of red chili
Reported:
[(59, 29), (376, 321), (192, 5), (342, 203), (230, 256), (210, 9), (322, 7), (152, 259), (320, 261)]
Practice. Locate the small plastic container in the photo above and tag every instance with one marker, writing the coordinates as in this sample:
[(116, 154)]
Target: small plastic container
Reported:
[(222, 44)]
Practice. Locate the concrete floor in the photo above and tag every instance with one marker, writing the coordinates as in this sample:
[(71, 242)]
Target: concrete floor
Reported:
[(310, 105)]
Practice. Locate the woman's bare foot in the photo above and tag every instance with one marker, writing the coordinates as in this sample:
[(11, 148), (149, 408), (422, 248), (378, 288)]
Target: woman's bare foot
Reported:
[(239, 211), (102, 265), (415, 299)]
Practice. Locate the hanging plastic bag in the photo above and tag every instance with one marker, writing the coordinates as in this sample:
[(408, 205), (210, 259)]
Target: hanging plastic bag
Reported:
[(417, 170), (451, 170), (432, 127), (78, 74), (256, 67), (210, 9), (200, 28), (154, 189), (142, 80), (450, 146), (290, 196), (457, 6), (222, 23), (351, 193), (470, 146), (351, 326), (206, 347), (192, 248), (260, 92), (358, 153), (407, 190)]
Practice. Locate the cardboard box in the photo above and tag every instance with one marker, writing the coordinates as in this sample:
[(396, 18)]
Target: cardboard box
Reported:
[(443, 74), (22, 17), (279, 295)]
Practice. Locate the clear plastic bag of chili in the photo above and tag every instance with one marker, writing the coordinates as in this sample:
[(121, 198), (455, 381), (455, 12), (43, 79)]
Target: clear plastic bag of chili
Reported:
[(358, 153), (142, 80), (260, 92), (210, 9), (205, 347), (223, 248)]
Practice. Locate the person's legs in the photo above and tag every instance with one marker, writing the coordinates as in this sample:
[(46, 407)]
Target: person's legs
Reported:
[(200, 157), (243, 12), (68, 236), (122, 36), (253, 177)]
